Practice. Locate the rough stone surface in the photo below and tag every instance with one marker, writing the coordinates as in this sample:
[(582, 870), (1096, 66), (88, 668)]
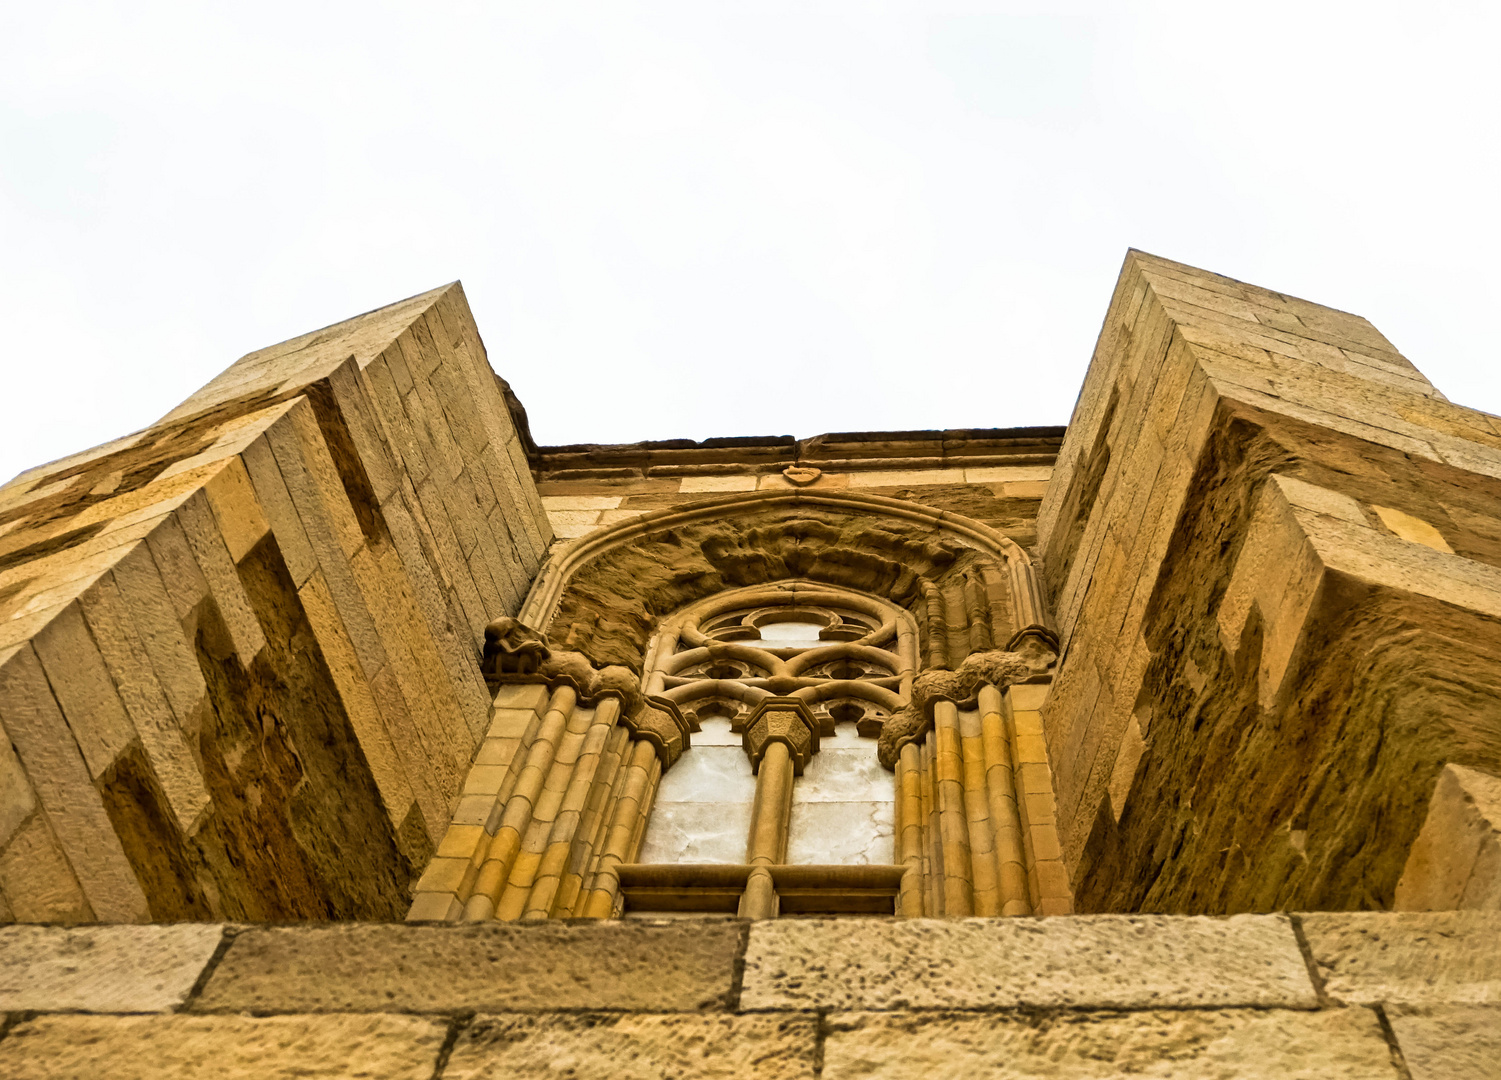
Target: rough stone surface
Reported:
[(1449, 1042), (636, 965), (102, 968), (1456, 860), (1102, 962), (1359, 663), (225, 1047), (628, 1047), (1416, 957), (1198, 1044)]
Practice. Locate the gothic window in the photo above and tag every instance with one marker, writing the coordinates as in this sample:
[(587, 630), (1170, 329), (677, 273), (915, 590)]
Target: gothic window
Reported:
[(785, 689), (770, 749)]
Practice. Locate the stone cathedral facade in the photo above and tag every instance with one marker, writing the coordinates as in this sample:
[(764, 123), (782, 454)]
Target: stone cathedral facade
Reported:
[(346, 731)]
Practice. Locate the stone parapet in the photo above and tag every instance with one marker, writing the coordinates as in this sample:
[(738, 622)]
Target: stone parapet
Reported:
[(1331, 995)]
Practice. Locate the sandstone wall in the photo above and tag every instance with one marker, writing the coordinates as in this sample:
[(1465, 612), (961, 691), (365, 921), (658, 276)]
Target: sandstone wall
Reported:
[(1274, 552), (996, 477), (239, 650), (1369, 996)]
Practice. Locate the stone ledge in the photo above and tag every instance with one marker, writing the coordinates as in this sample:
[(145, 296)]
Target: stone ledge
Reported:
[(115, 969), (723, 964), (1248, 1044), (171, 1046), (626, 1046), (1330, 1044), (1433, 957), (636, 965), (1449, 1042), (1100, 961)]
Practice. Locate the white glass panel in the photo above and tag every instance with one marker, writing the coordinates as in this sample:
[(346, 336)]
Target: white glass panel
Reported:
[(843, 805), (696, 833), (703, 807), (843, 833), (791, 635)]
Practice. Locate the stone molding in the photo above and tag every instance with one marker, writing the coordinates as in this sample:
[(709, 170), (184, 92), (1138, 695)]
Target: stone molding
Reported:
[(547, 590)]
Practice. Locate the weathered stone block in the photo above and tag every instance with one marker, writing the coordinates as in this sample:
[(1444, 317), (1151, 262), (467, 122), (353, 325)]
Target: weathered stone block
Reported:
[(103, 968), (626, 1047), (1456, 860), (1416, 958), (1449, 1042), (707, 484), (1246, 1044), (637, 965), (904, 477), (1095, 961), (225, 1047)]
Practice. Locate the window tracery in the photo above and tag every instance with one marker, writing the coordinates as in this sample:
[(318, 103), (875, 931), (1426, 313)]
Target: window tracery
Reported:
[(795, 680)]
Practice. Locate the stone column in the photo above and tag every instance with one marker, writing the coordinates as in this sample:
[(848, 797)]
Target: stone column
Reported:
[(953, 827), (506, 842), (909, 830), (638, 788), (560, 840), (1000, 790), (780, 737)]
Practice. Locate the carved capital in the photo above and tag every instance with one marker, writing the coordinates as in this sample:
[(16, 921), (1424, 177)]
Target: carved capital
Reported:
[(786, 720), (995, 668), (660, 722)]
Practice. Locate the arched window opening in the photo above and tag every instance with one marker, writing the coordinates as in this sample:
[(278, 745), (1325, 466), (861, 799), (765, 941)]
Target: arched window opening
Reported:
[(703, 807), (785, 689)]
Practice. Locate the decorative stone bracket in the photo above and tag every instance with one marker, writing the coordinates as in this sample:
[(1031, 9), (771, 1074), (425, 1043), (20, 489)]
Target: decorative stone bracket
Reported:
[(962, 687), (515, 653)]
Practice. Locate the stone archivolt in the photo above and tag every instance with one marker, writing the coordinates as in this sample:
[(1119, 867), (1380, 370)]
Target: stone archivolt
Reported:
[(969, 587)]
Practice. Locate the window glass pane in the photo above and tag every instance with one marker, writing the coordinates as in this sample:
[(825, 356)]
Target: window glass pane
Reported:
[(703, 808), (843, 806), (791, 635)]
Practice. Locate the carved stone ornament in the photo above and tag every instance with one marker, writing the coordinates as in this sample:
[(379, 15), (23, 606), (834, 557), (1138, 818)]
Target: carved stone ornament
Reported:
[(515, 653), (512, 648), (786, 720), (995, 668), (801, 476), (660, 722)]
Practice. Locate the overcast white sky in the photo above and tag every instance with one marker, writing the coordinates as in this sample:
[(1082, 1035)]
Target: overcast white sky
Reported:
[(714, 219)]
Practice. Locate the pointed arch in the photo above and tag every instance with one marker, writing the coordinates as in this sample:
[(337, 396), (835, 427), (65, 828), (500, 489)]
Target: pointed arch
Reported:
[(969, 586)]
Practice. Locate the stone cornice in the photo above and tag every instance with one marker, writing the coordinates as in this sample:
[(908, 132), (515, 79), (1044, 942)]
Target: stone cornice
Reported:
[(834, 452)]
